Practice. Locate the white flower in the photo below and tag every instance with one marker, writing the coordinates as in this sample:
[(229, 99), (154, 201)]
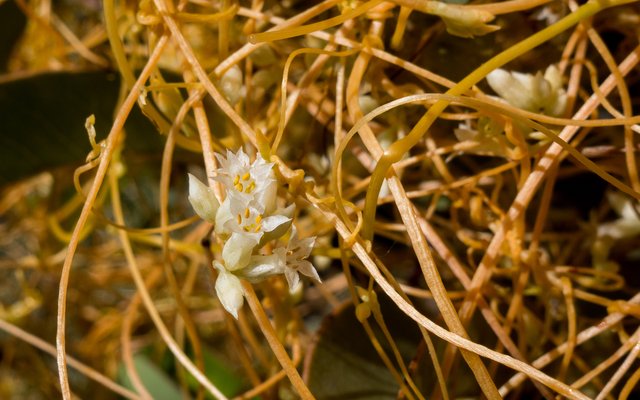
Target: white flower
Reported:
[(247, 218), (229, 290), (535, 93), (202, 199), (248, 227), (289, 259), (250, 181), (296, 253), (245, 221)]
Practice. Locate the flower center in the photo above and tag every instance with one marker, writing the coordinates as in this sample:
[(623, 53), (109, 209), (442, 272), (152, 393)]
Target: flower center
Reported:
[(244, 183), (249, 223)]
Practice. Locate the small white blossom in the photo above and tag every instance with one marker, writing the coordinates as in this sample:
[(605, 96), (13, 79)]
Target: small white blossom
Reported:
[(202, 199), (229, 290), (247, 217), (535, 93), (248, 228), (250, 181), (296, 253), (289, 259)]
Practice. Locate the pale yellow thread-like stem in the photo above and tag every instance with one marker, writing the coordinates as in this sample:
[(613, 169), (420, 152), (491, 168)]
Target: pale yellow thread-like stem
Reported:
[(111, 143)]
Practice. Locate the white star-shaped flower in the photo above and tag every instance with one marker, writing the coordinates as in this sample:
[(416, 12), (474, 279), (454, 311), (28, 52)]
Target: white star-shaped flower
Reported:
[(248, 227), (249, 181), (289, 259), (296, 252)]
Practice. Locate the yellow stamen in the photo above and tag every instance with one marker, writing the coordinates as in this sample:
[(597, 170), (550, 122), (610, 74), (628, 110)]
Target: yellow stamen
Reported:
[(247, 213), (236, 180), (238, 187), (246, 176), (250, 188), (258, 219), (258, 228), (239, 219)]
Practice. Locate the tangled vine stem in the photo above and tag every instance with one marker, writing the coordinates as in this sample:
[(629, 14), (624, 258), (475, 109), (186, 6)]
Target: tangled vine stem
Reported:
[(394, 153), (103, 167)]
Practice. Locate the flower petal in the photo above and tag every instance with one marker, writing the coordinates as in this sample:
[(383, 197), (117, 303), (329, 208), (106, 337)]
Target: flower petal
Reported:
[(230, 292), (282, 229), (306, 268), (241, 158), (553, 76), (292, 279), (239, 202), (273, 222), (223, 216), (202, 199), (531, 92), (302, 247), (261, 267), (266, 184), (267, 194), (272, 232), (236, 253)]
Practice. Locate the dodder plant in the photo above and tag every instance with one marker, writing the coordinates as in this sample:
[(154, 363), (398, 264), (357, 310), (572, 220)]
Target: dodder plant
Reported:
[(462, 176)]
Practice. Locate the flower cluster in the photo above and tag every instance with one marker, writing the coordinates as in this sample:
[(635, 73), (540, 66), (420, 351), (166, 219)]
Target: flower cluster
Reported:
[(539, 93), (245, 222), (536, 93)]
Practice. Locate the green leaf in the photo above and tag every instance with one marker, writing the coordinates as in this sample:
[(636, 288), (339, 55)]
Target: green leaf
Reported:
[(221, 373), (43, 117), (345, 365), (157, 382)]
